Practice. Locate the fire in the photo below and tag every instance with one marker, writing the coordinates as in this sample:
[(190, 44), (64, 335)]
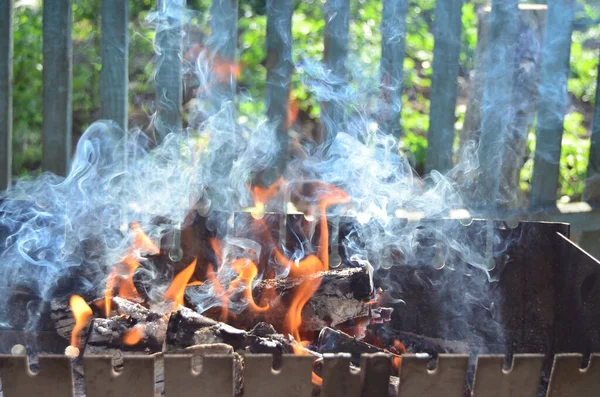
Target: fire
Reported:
[(133, 336), (330, 195), (121, 276), (262, 196), (141, 241), (82, 313), (219, 292), (176, 290), (246, 270), (302, 293)]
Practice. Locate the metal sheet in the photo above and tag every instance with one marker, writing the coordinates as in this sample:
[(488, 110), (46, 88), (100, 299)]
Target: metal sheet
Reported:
[(135, 380), (375, 374), (446, 380), (292, 380), (54, 379), (521, 380), (338, 380), (569, 380), (214, 379)]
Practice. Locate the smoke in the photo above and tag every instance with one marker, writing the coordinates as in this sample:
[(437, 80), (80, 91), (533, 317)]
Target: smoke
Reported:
[(63, 235)]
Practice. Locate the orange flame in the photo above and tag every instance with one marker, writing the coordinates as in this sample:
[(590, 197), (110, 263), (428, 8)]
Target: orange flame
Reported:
[(246, 270), (141, 241), (216, 247), (133, 336), (82, 314), (302, 293), (121, 276), (330, 195), (176, 290), (262, 196), (219, 292)]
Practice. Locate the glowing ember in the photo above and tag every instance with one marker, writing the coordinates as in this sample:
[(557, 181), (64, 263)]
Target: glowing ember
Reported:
[(176, 290), (82, 314), (133, 336)]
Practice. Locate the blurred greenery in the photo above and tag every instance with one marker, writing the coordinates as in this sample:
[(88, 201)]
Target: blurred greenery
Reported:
[(307, 35)]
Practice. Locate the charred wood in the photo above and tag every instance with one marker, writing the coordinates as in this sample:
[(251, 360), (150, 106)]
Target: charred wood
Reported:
[(334, 341), (188, 328), (343, 295)]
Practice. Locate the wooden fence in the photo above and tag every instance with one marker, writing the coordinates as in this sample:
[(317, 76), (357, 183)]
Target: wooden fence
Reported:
[(497, 94)]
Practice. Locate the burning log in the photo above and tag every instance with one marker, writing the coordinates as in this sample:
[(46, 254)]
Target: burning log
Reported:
[(334, 341), (187, 328), (343, 295), (423, 344)]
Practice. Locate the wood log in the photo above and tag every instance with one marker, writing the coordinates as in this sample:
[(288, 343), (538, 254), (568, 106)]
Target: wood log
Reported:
[(433, 346), (343, 295), (334, 341), (188, 328)]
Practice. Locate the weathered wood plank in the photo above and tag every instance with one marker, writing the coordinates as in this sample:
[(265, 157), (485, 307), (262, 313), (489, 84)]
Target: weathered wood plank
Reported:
[(497, 96), (223, 46), (337, 19), (6, 55), (115, 50), (279, 70), (444, 84), (553, 102), (57, 75), (169, 89), (393, 49)]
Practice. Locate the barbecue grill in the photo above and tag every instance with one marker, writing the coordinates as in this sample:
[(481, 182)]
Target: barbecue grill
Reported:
[(545, 300)]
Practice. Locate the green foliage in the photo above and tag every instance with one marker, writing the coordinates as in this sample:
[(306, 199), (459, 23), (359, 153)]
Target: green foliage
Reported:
[(27, 89), (307, 37), (573, 159)]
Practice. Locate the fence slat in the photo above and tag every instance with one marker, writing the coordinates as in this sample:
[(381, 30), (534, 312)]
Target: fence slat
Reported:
[(337, 19), (593, 170), (279, 69), (57, 91), (6, 45), (393, 49), (444, 84), (223, 45), (115, 51), (497, 96), (169, 90), (553, 102), (589, 240)]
